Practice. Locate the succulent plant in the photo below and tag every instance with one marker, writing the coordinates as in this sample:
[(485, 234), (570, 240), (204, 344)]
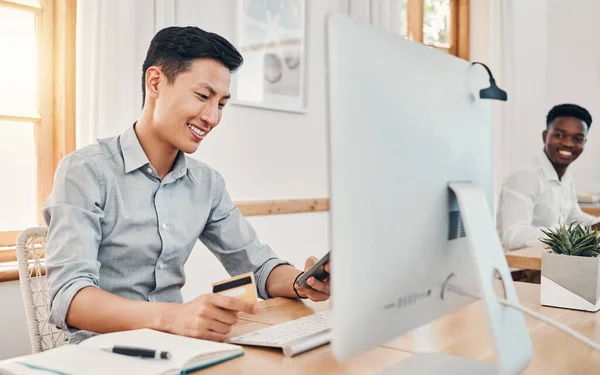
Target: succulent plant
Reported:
[(576, 240)]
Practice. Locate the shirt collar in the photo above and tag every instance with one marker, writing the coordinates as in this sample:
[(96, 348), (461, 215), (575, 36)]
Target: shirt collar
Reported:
[(135, 157), (548, 169), (133, 153), (180, 167)]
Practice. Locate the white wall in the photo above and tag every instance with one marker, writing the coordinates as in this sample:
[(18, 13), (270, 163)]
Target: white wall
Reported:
[(552, 58), (527, 120), (482, 49), (510, 36), (112, 40), (266, 154), (14, 335), (546, 57), (573, 75)]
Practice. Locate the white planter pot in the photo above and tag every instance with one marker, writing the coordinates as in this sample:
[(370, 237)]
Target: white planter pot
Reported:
[(570, 282)]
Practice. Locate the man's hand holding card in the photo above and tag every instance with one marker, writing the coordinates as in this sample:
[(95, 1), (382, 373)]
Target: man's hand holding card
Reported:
[(242, 287), (211, 316)]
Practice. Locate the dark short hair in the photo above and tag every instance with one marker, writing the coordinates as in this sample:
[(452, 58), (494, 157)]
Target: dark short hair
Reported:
[(174, 49), (569, 110)]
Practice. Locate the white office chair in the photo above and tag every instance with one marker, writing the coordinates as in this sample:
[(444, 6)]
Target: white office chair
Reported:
[(31, 248)]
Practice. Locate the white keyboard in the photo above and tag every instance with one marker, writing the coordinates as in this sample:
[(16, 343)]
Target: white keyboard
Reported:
[(294, 337)]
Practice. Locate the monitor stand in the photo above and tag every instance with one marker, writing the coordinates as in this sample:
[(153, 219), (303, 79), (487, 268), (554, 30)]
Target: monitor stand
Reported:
[(512, 346)]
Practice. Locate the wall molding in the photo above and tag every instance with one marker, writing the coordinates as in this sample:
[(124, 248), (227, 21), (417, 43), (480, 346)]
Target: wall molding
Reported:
[(286, 206), (9, 238), (9, 274)]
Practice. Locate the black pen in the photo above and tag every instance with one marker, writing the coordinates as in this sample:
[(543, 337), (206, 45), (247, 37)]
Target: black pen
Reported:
[(138, 352)]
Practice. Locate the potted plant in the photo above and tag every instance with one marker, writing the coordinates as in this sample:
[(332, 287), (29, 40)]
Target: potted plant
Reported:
[(570, 268)]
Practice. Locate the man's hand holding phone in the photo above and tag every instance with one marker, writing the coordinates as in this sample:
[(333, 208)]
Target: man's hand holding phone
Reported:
[(314, 283)]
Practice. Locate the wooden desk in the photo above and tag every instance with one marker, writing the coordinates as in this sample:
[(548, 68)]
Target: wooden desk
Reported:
[(591, 208), (262, 361), (529, 258), (463, 333)]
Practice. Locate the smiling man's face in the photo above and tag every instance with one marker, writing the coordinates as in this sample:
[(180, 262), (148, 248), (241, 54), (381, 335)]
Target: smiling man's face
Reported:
[(188, 108), (564, 140)]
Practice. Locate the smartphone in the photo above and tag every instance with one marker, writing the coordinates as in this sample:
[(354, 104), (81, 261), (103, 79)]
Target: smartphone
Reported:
[(317, 271)]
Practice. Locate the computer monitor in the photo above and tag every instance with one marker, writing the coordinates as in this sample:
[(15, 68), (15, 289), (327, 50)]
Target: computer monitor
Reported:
[(408, 135)]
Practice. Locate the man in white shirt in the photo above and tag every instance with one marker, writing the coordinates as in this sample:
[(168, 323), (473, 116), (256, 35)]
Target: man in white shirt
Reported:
[(544, 196)]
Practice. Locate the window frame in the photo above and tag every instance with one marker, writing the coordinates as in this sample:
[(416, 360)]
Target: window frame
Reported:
[(459, 26), (54, 123)]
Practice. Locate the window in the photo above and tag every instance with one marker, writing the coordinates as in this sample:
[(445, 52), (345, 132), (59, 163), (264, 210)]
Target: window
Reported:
[(37, 106), (441, 24)]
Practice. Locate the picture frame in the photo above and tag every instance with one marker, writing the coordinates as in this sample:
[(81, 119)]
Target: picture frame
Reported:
[(271, 35)]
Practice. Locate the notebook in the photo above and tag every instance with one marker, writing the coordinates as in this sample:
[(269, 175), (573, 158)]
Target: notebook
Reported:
[(187, 354)]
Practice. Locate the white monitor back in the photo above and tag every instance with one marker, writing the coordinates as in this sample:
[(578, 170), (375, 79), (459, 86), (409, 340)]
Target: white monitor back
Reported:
[(404, 122)]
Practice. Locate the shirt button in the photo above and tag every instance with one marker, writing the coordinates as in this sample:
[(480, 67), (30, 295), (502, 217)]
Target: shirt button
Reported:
[(164, 226), (149, 170), (161, 265)]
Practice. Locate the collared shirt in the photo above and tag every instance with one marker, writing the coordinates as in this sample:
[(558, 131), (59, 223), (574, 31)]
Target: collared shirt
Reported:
[(533, 199), (115, 225)]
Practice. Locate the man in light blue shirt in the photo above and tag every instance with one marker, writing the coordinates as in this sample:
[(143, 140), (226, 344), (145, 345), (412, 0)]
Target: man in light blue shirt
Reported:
[(125, 213)]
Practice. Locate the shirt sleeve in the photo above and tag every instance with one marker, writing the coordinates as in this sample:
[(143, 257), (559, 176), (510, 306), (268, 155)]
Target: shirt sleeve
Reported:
[(516, 211), (234, 242), (72, 213)]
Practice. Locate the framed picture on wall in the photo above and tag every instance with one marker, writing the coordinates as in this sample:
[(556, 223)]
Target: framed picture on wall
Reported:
[(271, 36)]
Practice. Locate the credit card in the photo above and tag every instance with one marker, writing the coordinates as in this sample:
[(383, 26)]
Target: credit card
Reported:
[(241, 286)]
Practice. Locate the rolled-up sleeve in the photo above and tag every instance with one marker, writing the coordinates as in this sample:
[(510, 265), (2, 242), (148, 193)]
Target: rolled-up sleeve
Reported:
[(234, 242), (73, 214)]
